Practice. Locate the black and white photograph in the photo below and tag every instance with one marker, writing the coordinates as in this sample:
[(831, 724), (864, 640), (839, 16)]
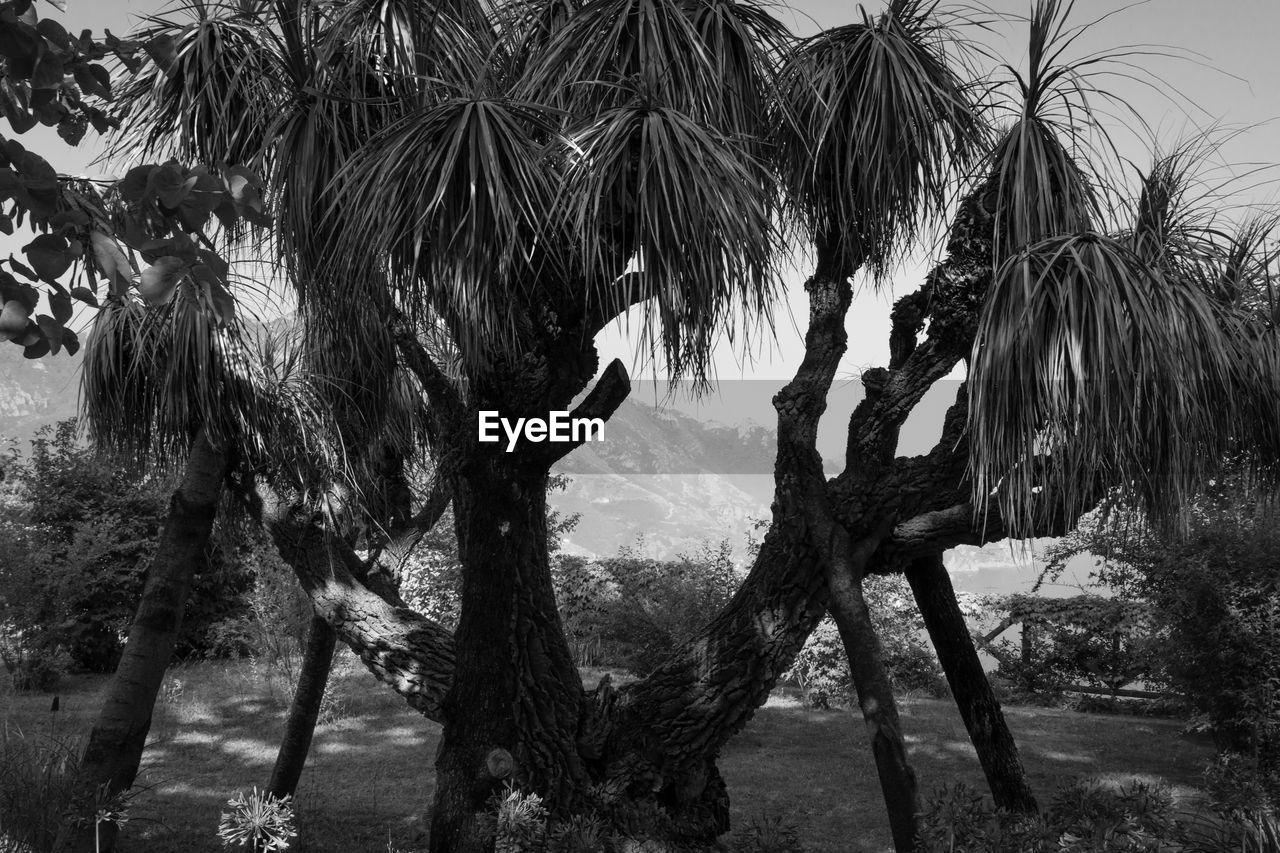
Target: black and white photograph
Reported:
[(639, 426)]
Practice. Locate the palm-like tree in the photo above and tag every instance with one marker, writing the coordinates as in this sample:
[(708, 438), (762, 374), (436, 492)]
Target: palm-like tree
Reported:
[(514, 180), (174, 386)]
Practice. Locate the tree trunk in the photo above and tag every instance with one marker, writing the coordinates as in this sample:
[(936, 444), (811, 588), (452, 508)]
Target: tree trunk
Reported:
[(978, 705), (513, 708), (114, 751), (875, 698), (317, 661), (403, 649)]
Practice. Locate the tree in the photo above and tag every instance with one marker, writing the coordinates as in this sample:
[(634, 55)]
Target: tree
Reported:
[(173, 385), (1212, 598), (472, 196), (80, 531), (92, 231)]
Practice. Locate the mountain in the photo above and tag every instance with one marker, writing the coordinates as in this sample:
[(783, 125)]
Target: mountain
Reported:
[(674, 472), (668, 477), (35, 392)]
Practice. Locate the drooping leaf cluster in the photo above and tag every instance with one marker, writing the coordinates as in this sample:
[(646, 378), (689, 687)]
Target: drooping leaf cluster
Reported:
[(505, 170)]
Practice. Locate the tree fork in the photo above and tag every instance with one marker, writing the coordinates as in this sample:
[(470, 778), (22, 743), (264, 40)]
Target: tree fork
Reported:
[(111, 758)]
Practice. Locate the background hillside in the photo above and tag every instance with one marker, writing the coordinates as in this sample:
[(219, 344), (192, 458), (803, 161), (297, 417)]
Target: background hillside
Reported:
[(35, 393), (672, 471)]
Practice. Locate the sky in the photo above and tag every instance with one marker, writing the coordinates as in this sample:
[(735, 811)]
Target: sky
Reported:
[(1206, 64)]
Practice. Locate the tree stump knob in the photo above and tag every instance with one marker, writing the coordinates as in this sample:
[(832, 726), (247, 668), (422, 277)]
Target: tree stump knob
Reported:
[(500, 763)]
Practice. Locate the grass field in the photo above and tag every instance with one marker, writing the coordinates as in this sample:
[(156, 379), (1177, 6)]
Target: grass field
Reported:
[(368, 780)]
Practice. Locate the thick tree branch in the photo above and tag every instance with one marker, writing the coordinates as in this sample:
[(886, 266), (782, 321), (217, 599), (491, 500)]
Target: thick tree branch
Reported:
[(403, 649), (874, 427), (389, 558), (963, 524), (670, 725), (634, 288), (442, 395), (610, 390)]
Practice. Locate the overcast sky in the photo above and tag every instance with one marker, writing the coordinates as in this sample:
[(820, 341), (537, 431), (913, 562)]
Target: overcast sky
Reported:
[(1229, 70)]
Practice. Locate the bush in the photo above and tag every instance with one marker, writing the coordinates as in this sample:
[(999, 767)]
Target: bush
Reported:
[(32, 668), (634, 611), (1099, 641), (1215, 596), (517, 822), (1238, 786), (78, 532), (821, 669)]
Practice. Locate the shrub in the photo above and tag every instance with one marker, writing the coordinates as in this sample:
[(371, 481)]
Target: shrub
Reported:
[(633, 611), (1104, 642), (821, 669), (78, 532), (767, 834), (1215, 595), (578, 834), (1238, 786), (31, 668), (517, 821)]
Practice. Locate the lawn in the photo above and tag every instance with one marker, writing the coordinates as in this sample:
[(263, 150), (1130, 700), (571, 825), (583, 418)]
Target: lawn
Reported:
[(368, 780)]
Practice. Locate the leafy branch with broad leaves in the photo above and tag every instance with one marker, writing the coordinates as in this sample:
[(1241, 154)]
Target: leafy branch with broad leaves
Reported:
[(143, 236)]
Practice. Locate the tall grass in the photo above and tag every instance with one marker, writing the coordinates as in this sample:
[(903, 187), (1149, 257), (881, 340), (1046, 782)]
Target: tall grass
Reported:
[(36, 774)]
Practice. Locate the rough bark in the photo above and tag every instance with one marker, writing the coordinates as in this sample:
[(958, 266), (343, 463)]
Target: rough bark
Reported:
[(843, 557), (408, 652), (300, 726), (979, 707), (515, 690), (878, 705), (110, 761), (657, 740)]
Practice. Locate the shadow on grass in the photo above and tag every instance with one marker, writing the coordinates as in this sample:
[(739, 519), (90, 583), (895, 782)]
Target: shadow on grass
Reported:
[(815, 768), (369, 775), (368, 778)]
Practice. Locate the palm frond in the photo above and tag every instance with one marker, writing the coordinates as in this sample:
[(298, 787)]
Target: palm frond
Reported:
[(712, 59), (154, 377), (359, 68), (349, 354), (877, 126), (455, 197), (527, 28), (1092, 367), (1055, 164), (689, 208), (211, 91), (1098, 359), (1245, 278), (400, 48)]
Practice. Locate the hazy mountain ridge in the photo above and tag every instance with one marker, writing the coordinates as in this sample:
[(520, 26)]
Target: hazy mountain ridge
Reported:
[(36, 392), (660, 474), (670, 478)]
